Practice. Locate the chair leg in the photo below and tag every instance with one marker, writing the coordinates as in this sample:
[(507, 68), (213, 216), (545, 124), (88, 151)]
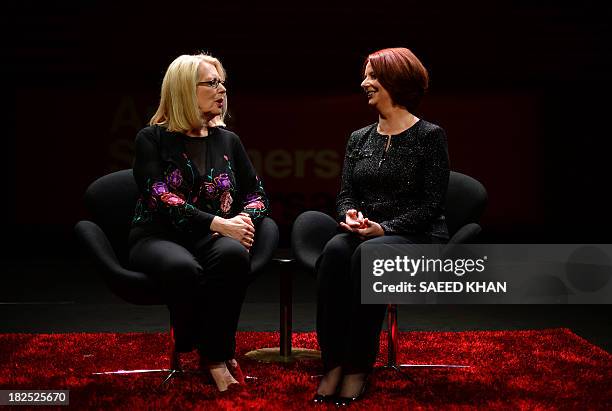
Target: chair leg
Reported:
[(392, 346), (285, 353), (392, 336), (175, 363), (286, 314)]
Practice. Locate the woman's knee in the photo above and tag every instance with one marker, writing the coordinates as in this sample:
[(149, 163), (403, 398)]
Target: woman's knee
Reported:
[(180, 272), (338, 247), (408, 246), (333, 263), (230, 253), (356, 256)]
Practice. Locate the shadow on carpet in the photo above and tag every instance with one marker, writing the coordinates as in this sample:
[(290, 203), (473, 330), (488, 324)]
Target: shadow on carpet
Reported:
[(508, 369)]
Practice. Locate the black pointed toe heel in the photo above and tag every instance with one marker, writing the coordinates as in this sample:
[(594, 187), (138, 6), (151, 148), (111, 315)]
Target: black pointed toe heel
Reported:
[(346, 401), (323, 399)]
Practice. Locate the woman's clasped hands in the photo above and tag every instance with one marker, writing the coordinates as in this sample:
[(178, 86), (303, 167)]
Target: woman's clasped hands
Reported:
[(363, 227), (239, 227)]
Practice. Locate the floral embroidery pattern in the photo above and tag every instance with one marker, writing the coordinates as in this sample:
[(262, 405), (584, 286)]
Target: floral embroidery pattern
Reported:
[(159, 189), (226, 202), (209, 189), (175, 179), (174, 197), (221, 187), (223, 182), (254, 201), (159, 198)]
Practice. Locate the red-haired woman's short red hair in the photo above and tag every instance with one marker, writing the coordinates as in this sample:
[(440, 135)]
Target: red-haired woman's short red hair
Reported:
[(401, 73)]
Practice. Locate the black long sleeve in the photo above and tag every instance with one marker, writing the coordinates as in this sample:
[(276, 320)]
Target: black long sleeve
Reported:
[(346, 197), (252, 198)]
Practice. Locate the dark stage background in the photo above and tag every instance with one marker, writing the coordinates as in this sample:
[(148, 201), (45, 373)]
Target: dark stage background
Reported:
[(522, 90)]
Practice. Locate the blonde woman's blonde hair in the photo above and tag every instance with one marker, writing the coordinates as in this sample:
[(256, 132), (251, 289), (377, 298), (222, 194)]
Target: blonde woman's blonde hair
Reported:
[(178, 106)]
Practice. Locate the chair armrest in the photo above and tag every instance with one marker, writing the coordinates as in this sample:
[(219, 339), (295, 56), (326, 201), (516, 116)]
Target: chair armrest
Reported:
[(97, 244), (132, 286), (311, 231), (266, 242), (466, 234)]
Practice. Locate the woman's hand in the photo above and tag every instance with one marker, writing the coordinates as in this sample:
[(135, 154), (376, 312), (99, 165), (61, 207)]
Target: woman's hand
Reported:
[(372, 229), (352, 221), (240, 228)]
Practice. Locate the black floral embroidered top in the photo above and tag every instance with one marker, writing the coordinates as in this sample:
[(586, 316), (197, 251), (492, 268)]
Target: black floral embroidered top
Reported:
[(175, 194), (403, 188)]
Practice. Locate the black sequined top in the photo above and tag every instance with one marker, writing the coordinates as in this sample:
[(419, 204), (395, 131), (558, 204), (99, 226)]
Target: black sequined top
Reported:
[(403, 188)]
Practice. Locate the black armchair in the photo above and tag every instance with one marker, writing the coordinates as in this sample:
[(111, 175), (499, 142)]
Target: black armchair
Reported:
[(465, 202), (110, 200)]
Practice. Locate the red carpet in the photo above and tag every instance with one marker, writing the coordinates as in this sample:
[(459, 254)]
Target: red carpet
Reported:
[(546, 369)]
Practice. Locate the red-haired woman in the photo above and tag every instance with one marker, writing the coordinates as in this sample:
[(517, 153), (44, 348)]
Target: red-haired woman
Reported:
[(394, 183)]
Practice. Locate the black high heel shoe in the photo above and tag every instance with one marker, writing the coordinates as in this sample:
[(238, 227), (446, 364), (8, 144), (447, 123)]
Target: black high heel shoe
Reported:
[(323, 399), (334, 377), (346, 401)]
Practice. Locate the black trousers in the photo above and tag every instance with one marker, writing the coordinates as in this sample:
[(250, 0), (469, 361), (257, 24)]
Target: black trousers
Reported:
[(349, 332), (205, 283)]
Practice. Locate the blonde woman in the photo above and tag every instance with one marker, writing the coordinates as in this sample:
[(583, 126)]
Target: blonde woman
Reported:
[(194, 223)]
